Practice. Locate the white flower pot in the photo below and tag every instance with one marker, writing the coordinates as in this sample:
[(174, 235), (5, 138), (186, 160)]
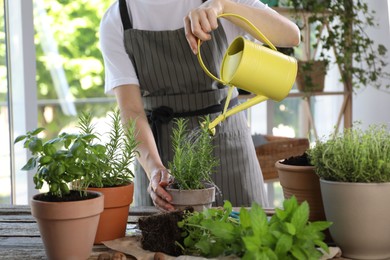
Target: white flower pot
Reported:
[(360, 213)]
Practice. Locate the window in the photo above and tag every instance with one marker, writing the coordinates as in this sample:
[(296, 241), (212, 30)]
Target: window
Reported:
[(55, 71)]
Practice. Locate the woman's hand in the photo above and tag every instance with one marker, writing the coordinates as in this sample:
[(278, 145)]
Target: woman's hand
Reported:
[(159, 179), (201, 21), (198, 24)]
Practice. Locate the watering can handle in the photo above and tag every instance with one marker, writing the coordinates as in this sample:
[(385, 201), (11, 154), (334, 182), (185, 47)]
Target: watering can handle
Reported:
[(254, 28)]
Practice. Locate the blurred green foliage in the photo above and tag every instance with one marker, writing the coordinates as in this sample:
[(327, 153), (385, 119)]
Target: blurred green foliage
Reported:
[(74, 24)]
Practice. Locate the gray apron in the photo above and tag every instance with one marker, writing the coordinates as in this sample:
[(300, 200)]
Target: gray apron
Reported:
[(171, 77)]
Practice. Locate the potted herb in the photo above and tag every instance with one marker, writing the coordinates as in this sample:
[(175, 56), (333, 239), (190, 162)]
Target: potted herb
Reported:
[(114, 178), (354, 171), (191, 167), (67, 219)]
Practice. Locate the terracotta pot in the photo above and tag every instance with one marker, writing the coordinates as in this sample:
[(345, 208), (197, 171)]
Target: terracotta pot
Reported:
[(304, 183), (311, 76), (113, 220), (198, 199), (360, 213), (68, 229)]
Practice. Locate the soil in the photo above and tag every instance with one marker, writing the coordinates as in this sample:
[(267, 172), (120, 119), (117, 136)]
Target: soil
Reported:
[(160, 232), (299, 160), (72, 196)]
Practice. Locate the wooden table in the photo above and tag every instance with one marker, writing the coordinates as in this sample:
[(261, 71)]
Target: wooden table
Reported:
[(20, 238)]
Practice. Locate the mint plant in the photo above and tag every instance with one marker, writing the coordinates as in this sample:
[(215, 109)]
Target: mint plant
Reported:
[(286, 235), (193, 161)]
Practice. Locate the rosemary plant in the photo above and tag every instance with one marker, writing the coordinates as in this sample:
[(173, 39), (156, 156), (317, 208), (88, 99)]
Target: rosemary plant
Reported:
[(120, 151), (193, 161)]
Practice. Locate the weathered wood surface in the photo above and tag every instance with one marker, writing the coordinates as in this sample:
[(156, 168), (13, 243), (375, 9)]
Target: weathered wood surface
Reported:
[(20, 238)]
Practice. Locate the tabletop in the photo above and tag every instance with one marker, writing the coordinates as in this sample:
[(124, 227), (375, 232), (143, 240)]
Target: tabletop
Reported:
[(20, 238)]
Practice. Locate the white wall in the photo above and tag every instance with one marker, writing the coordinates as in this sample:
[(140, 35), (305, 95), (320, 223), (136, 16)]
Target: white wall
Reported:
[(372, 106)]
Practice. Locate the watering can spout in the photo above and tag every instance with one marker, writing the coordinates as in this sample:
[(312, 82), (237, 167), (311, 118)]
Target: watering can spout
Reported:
[(251, 102)]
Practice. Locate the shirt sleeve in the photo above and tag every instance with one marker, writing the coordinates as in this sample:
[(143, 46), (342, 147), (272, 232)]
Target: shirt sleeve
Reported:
[(232, 30), (119, 69)]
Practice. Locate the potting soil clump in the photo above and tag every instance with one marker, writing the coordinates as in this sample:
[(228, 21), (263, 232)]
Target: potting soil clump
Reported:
[(300, 160), (160, 232)]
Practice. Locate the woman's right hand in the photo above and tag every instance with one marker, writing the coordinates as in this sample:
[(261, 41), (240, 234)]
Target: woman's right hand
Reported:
[(201, 21), (159, 179)]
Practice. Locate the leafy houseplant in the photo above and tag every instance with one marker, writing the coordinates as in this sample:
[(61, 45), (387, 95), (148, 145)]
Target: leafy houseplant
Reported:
[(114, 177), (69, 216), (360, 61), (354, 171), (248, 234), (286, 235), (193, 162), (63, 159)]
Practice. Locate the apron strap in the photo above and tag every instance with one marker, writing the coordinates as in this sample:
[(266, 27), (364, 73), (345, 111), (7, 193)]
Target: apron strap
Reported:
[(163, 115), (125, 15)]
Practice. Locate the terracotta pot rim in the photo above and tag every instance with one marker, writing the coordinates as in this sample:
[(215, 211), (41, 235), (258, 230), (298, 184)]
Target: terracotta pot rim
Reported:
[(118, 196), (280, 165), (117, 186), (70, 201), (67, 209)]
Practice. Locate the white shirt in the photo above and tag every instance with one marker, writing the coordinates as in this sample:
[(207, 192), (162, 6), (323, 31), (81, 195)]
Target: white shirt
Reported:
[(152, 15)]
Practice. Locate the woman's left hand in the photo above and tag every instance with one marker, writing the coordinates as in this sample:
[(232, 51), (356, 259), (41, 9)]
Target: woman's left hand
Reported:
[(201, 21)]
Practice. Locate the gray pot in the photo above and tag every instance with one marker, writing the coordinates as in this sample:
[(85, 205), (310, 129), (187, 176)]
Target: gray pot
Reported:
[(360, 213), (198, 199)]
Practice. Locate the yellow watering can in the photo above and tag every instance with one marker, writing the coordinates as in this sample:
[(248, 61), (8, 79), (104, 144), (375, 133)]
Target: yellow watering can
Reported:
[(265, 72)]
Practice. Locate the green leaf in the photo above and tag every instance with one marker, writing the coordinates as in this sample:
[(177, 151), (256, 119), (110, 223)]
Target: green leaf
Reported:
[(204, 245), (37, 131), (281, 214), (220, 229), (322, 245), (45, 160), (31, 163), (259, 220), (283, 245), (49, 149), (290, 205), (320, 225), (300, 216), (245, 220), (252, 243), (298, 253), (189, 242), (20, 138), (64, 188), (227, 205), (290, 228), (35, 145), (100, 149), (217, 249)]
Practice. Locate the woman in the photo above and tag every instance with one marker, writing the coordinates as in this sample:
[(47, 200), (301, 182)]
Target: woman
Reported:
[(153, 72)]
